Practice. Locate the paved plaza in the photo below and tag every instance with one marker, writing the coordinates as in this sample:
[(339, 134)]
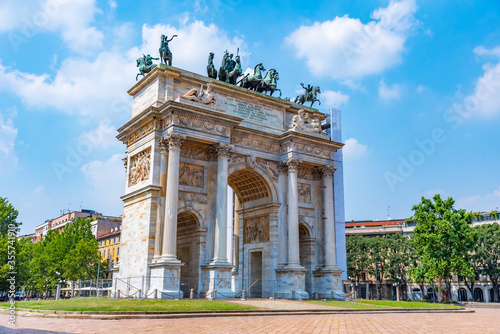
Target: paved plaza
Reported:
[(482, 321)]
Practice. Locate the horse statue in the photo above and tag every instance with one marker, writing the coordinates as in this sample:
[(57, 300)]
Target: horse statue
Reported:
[(251, 81), (309, 95), (211, 71), (165, 53), (236, 72), (145, 64), (269, 83)]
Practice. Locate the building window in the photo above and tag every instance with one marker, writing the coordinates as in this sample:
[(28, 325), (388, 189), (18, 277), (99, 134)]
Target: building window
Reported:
[(113, 252)]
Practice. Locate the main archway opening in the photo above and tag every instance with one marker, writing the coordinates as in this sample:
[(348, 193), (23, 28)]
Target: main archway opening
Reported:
[(248, 229), (188, 249)]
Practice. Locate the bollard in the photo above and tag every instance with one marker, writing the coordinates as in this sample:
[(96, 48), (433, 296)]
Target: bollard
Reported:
[(293, 294), (214, 292), (191, 294), (139, 295), (156, 294), (118, 294), (243, 295)]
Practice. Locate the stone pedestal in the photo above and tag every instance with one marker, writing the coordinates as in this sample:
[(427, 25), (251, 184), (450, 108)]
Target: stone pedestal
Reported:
[(289, 280), (326, 281), (219, 279), (166, 278)]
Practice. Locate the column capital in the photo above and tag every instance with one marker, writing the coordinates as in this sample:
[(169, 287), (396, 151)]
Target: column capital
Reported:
[(222, 150), (282, 167), (328, 171), (293, 164), (163, 145), (174, 140)]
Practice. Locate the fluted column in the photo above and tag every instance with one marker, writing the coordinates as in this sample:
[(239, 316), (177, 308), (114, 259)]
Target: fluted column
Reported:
[(160, 211), (330, 245), (223, 153), (293, 213), (236, 234), (282, 217), (169, 249)]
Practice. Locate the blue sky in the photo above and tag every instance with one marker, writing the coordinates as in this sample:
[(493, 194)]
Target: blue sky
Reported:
[(418, 83)]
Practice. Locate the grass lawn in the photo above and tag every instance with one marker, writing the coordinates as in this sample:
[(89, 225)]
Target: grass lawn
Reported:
[(108, 304), (383, 304)]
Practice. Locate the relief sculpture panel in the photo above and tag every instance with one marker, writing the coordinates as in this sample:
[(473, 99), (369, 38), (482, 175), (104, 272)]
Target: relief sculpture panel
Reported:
[(256, 229), (140, 165), (191, 175), (304, 192)]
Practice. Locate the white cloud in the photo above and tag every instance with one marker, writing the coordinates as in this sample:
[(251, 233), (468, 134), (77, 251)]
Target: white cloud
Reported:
[(354, 150), (484, 101), (112, 4), (485, 202), (106, 181), (8, 135), (421, 88), (38, 190), (80, 87), (346, 48), (23, 20), (388, 93), (196, 40), (353, 85), (334, 99)]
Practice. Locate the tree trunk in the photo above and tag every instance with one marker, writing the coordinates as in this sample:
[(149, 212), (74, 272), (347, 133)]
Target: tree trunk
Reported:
[(440, 291), (495, 290)]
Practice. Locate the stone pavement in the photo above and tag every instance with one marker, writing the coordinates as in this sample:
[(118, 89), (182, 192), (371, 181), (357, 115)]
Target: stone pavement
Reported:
[(483, 321), (282, 305)]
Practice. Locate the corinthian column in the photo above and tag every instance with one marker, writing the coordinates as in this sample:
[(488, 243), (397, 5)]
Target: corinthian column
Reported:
[(223, 153), (282, 222), (293, 213), (169, 249), (330, 246), (160, 211)]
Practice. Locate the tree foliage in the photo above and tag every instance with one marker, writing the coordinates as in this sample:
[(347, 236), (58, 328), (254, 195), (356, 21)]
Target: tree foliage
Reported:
[(486, 254), (442, 240), (8, 217)]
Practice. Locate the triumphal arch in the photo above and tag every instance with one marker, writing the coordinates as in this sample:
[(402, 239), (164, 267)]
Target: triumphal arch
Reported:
[(190, 141)]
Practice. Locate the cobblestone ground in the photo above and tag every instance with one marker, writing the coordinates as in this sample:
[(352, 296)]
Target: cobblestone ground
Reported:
[(483, 321)]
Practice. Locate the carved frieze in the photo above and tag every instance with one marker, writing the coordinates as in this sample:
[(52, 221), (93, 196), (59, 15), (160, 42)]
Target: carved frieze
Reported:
[(304, 190), (255, 145), (306, 212), (193, 197), (198, 153), (308, 149), (204, 126), (256, 229), (138, 134), (191, 175), (140, 165)]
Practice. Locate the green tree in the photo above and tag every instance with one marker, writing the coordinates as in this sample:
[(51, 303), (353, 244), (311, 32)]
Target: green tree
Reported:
[(487, 253), (8, 217), (442, 240), (399, 257), (357, 256)]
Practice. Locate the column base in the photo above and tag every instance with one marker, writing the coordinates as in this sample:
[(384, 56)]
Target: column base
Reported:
[(291, 282), (328, 284), (165, 278), (219, 280)]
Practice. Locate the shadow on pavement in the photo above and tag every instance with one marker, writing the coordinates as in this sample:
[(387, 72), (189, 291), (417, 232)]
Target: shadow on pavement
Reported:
[(13, 330)]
